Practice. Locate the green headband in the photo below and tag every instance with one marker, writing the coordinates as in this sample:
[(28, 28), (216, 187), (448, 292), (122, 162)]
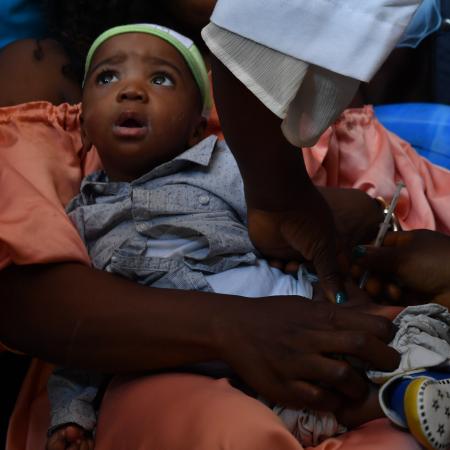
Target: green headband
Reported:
[(183, 44)]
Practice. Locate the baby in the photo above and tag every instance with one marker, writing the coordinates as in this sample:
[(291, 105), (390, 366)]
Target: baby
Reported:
[(169, 210)]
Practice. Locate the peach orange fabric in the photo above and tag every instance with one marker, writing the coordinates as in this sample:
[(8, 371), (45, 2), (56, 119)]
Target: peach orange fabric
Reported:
[(40, 171), (29, 422), (357, 151), (41, 166), (40, 158), (183, 411)]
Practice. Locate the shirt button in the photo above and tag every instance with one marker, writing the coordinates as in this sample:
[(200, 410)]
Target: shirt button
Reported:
[(141, 227), (203, 199)]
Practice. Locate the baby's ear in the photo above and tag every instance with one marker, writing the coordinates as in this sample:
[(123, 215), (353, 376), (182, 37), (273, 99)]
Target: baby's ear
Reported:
[(198, 132), (87, 144)]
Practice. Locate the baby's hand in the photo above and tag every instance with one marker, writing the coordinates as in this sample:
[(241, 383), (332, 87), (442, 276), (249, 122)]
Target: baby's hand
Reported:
[(70, 437)]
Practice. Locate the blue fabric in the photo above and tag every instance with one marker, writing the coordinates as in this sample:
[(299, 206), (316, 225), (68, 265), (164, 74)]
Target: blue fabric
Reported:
[(426, 126), (397, 395), (20, 19), (425, 21)]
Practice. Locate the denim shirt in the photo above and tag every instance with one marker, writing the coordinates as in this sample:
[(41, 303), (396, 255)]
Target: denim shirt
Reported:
[(197, 194)]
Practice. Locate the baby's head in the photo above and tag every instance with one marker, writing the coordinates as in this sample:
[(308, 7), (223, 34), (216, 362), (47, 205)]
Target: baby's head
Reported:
[(145, 98)]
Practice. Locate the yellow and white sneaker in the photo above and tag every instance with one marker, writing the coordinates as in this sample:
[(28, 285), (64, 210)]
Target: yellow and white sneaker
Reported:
[(427, 411)]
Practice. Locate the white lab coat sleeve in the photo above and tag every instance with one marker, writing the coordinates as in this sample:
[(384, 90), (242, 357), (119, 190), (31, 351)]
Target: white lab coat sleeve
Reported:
[(349, 37)]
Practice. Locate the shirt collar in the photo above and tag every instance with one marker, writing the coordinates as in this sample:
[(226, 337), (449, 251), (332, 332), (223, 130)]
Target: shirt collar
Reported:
[(200, 154)]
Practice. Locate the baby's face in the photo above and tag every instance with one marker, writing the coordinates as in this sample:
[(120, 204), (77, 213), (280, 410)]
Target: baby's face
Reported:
[(141, 105)]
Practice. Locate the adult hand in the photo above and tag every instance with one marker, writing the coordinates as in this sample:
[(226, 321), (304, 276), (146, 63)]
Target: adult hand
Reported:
[(356, 214), (357, 217), (70, 437), (417, 259), (361, 302), (282, 347), (298, 234)]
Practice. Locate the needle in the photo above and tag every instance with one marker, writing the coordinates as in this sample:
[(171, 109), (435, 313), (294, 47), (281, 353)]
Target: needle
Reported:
[(384, 227)]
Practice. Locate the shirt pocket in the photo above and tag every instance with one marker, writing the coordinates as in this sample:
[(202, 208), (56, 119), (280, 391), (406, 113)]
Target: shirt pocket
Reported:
[(158, 272)]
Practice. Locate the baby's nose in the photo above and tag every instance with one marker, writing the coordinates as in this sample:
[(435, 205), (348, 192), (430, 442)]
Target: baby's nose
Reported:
[(133, 93)]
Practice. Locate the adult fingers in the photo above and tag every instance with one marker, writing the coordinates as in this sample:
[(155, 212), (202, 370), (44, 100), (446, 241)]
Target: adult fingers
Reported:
[(325, 317), (312, 396), (394, 292), (373, 286), (397, 238), (300, 393), (74, 446), (383, 260), (353, 332), (276, 263), (292, 267), (379, 327), (336, 373), (327, 267), (287, 386), (366, 347), (324, 259), (287, 267), (387, 311), (86, 444)]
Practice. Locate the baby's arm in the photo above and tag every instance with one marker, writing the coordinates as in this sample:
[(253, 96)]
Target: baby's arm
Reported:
[(72, 414)]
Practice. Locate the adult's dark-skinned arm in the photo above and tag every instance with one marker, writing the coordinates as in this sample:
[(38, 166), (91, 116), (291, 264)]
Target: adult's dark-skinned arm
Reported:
[(287, 216), (71, 314)]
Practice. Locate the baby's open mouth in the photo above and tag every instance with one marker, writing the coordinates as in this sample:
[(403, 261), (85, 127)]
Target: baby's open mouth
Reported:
[(130, 124)]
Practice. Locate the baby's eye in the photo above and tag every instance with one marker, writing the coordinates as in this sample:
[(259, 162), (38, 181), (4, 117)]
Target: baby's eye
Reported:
[(106, 77), (162, 79)]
